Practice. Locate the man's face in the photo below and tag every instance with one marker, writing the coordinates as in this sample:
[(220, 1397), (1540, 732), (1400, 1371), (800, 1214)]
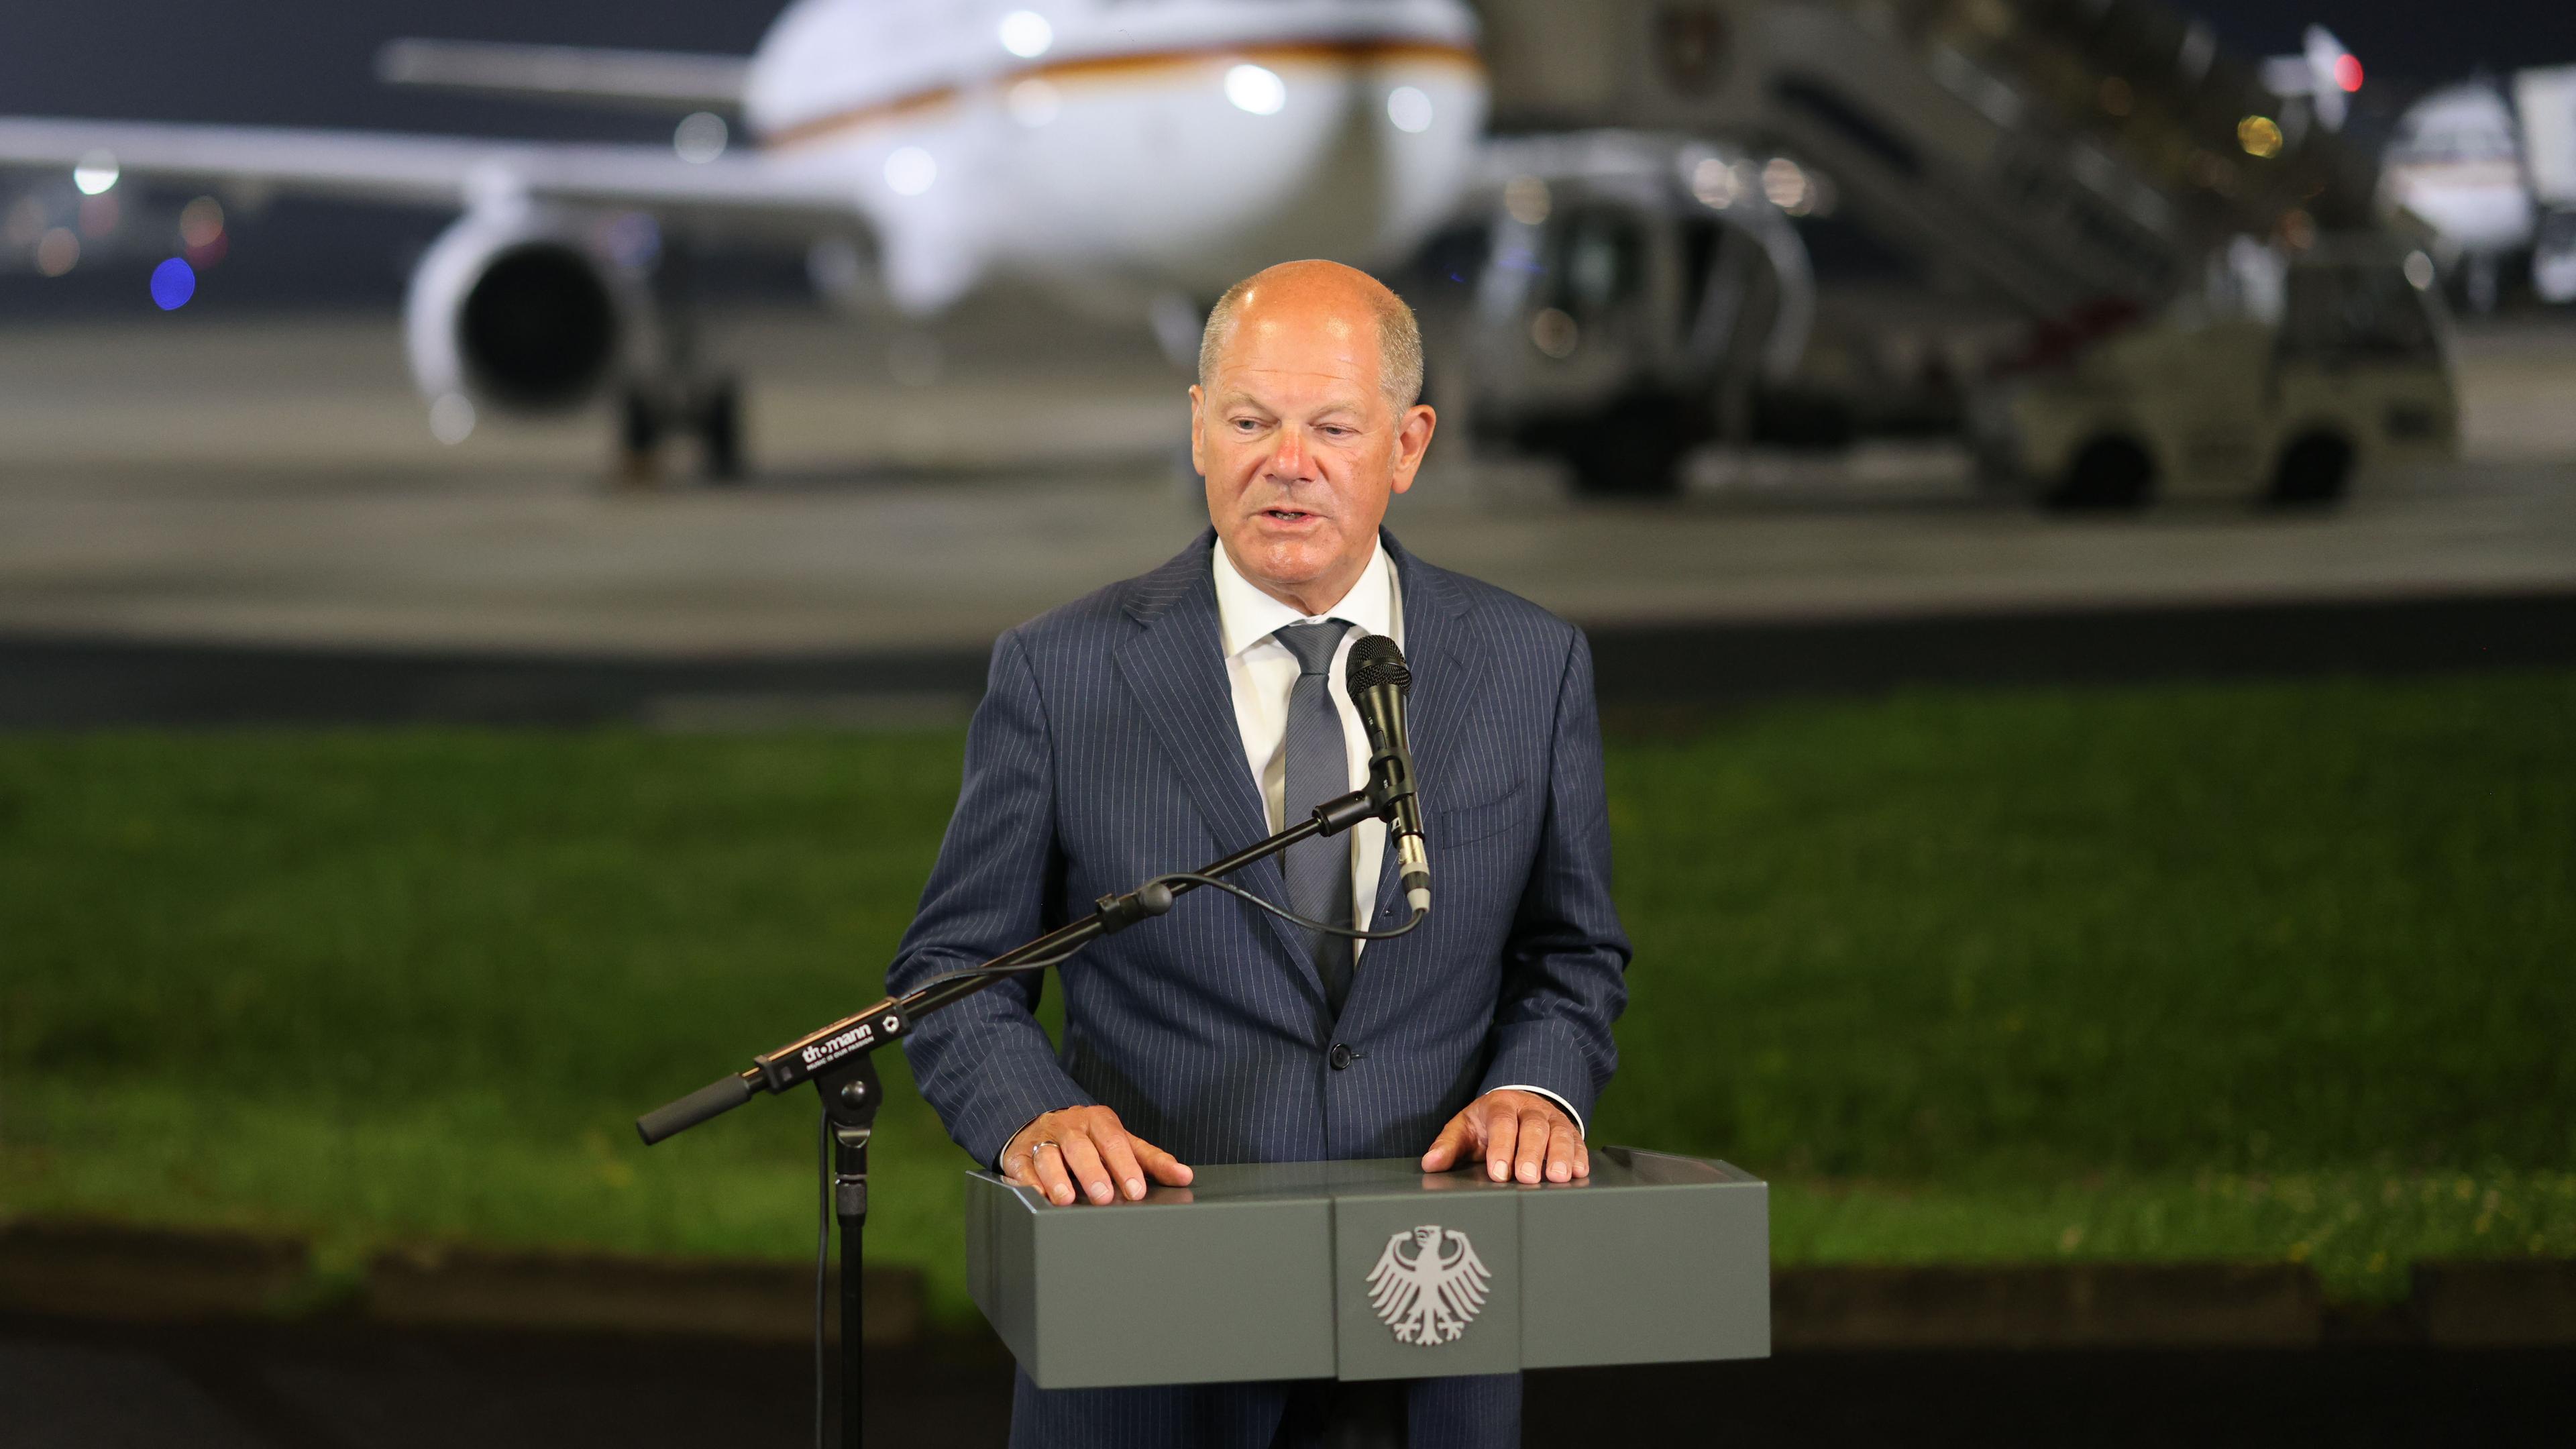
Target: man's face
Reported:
[(1300, 446)]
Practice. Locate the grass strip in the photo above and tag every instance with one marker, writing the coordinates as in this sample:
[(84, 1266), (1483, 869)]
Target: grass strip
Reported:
[(2252, 972)]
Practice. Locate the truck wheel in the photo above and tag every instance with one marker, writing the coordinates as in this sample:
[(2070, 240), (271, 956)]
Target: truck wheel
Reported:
[(2313, 470), (2107, 473), (1631, 449)]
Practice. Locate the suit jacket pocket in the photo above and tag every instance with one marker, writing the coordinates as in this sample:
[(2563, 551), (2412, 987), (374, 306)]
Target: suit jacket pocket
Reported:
[(1467, 824)]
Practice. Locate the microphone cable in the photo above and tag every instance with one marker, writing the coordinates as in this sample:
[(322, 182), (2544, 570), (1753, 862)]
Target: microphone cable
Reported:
[(1227, 886), (1285, 914)]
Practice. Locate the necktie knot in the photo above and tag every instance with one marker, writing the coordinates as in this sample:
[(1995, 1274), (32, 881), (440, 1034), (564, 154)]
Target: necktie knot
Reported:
[(1313, 644)]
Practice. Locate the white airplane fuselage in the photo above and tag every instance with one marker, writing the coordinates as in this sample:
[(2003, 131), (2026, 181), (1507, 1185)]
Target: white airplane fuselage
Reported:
[(1171, 145), (2457, 164)]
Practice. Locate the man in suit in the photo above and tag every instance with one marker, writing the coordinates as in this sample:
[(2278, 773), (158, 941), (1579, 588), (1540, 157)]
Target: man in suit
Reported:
[(1177, 716)]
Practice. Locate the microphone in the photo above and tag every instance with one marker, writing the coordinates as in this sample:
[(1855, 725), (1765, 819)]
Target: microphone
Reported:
[(1377, 681)]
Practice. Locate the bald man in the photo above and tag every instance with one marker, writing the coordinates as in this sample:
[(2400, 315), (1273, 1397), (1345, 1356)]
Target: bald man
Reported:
[(1174, 717)]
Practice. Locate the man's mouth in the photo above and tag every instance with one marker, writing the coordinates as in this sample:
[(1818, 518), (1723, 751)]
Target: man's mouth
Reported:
[(1287, 515)]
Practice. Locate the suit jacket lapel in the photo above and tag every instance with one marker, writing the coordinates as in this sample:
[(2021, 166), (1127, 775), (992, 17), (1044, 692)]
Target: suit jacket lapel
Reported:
[(1175, 667), (1441, 651)]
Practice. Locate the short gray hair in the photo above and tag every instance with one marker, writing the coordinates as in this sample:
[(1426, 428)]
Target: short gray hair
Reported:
[(1399, 340)]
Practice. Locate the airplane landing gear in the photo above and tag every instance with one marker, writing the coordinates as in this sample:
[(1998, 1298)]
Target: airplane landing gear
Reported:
[(711, 411), (718, 416), (681, 396)]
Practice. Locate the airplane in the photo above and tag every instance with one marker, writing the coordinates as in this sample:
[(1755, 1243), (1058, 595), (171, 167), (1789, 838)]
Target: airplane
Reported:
[(2455, 163), (1115, 152)]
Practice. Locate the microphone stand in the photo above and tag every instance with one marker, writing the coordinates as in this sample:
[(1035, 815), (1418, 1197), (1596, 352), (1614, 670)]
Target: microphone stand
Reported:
[(840, 1060)]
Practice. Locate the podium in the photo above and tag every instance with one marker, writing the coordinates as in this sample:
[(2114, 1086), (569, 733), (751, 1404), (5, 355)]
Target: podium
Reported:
[(1375, 1270)]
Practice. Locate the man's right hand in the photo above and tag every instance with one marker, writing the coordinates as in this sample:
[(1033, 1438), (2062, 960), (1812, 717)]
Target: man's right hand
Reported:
[(1087, 1145)]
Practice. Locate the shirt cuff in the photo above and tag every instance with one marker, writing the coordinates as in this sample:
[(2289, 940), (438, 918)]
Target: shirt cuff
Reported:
[(1551, 1096), (1015, 1136)]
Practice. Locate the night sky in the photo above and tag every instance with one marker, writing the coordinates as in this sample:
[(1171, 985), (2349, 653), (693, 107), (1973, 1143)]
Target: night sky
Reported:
[(309, 62)]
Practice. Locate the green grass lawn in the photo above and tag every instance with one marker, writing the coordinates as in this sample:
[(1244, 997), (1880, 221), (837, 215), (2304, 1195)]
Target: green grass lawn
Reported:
[(2266, 972)]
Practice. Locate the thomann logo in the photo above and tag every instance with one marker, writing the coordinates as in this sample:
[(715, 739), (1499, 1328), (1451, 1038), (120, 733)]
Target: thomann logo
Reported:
[(1430, 1297), (824, 1051)]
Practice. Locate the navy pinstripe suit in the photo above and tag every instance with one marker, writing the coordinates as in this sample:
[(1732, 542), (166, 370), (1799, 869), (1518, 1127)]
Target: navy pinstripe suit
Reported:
[(1105, 751)]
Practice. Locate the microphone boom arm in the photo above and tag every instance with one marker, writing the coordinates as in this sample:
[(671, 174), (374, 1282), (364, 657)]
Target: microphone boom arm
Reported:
[(830, 1050)]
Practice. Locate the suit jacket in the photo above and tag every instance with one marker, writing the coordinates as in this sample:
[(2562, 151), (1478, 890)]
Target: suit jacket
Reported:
[(1105, 752)]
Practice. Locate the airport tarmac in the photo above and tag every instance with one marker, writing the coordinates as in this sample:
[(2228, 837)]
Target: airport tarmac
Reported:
[(273, 482)]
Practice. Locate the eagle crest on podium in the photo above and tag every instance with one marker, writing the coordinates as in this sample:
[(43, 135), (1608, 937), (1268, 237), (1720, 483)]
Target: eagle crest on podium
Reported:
[(1431, 1296)]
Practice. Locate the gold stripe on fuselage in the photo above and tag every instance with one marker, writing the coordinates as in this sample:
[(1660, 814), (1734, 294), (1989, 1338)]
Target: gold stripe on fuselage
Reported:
[(1120, 67)]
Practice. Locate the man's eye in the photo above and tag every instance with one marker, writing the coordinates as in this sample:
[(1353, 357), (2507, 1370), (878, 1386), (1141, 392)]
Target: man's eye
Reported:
[(1245, 425)]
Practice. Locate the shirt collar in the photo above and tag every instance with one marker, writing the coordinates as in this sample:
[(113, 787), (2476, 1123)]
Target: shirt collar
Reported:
[(1246, 615)]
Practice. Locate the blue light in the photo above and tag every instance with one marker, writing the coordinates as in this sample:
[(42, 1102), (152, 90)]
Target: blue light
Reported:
[(173, 283)]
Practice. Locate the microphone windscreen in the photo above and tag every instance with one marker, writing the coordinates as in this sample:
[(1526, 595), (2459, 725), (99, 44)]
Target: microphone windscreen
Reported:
[(1376, 660)]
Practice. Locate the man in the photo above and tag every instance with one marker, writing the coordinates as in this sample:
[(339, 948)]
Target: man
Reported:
[(1180, 715)]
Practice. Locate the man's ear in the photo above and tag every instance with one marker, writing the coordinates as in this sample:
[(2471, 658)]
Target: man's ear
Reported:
[(1198, 405), (1412, 440)]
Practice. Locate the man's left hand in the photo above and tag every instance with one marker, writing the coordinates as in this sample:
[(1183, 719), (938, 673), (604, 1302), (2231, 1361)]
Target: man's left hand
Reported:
[(1519, 1134)]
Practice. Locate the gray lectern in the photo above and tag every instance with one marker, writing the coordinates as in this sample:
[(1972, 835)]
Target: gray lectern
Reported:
[(1376, 1270)]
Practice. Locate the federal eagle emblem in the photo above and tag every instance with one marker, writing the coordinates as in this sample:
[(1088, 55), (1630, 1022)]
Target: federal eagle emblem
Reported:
[(1431, 1296)]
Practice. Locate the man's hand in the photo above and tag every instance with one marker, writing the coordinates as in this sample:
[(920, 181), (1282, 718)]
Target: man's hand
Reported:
[(1087, 1145), (1518, 1134)]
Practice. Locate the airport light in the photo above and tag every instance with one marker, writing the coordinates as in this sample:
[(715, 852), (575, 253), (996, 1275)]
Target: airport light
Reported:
[(1713, 182), (1257, 89), (201, 222), (700, 137), (1026, 34), (1409, 109), (173, 283), (1784, 185), (57, 251), (96, 172), (910, 170), (2347, 71), (451, 418), (1554, 333), (2259, 135)]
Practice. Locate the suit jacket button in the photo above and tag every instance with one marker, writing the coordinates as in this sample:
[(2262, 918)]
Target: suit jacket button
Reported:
[(1340, 1056)]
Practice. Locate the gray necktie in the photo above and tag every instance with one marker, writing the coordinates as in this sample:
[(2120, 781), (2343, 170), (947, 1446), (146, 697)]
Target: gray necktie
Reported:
[(1319, 769)]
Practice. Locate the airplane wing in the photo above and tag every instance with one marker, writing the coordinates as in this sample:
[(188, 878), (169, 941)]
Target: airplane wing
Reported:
[(654, 80), (444, 171)]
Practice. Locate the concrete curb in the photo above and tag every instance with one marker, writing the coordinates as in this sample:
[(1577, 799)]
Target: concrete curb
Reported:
[(2077, 1305), (2527, 1303), (101, 1271), (86, 1270), (98, 1271), (465, 1288)]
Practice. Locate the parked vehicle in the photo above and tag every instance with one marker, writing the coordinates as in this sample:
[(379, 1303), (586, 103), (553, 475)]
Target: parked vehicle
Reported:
[(2353, 372)]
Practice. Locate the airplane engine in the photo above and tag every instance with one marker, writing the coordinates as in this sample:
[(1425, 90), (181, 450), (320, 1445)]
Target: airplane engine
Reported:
[(520, 313)]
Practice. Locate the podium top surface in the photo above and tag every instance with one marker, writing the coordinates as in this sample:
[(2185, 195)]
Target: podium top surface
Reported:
[(1613, 1169)]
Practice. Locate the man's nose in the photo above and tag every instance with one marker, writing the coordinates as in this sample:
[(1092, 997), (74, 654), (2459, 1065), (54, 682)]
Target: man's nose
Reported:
[(1288, 459)]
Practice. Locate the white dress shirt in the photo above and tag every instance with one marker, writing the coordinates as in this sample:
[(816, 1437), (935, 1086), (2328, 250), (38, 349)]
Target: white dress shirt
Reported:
[(1263, 672)]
